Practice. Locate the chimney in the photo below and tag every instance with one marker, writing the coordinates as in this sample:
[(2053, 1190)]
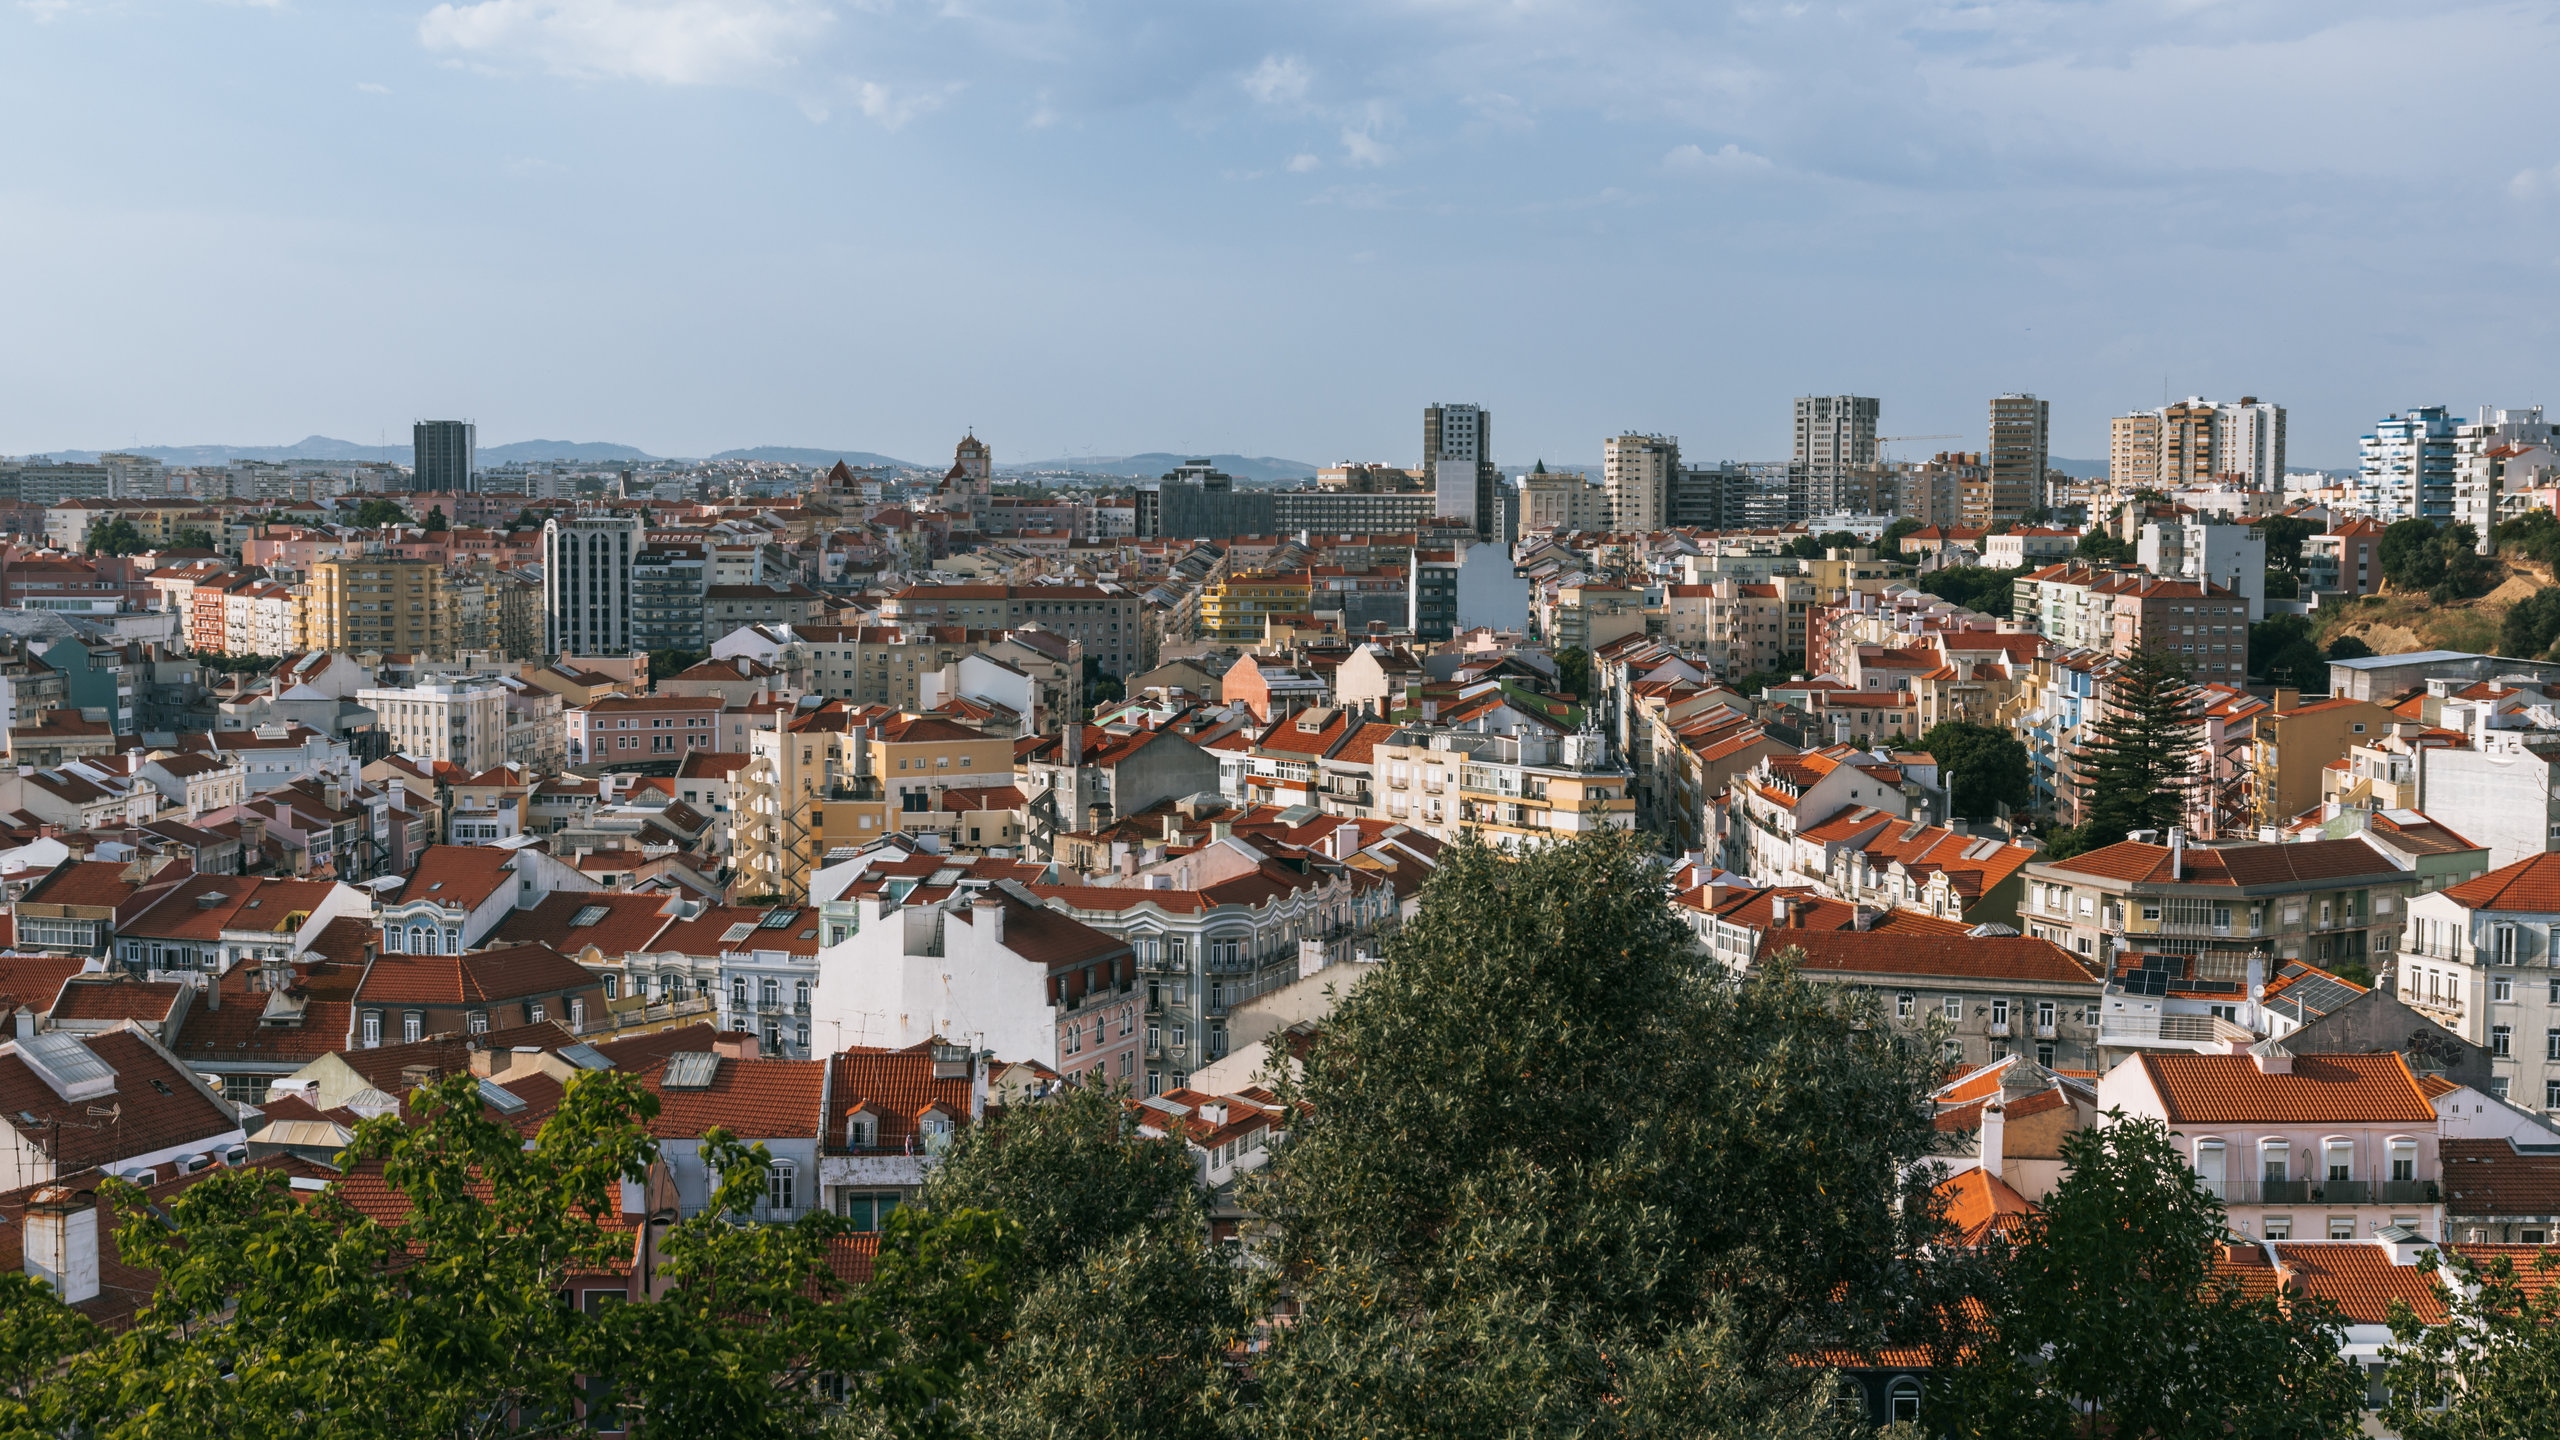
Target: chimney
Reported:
[(1862, 917), (1778, 912), (61, 1241), (2177, 853), (26, 1023), (1995, 1126), (1219, 830), (332, 795), (1346, 840), (2272, 1058), (736, 1045), (986, 911)]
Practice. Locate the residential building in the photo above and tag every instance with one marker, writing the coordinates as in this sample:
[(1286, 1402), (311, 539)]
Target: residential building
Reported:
[(463, 723), (2016, 456), (1562, 500), (58, 1081), (2296, 743), (670, 595), (444, 454), (1835, 435), (1457, 455), (2133, 452), (2231, 556), (1515, 790), (1984, 997), (889, 1116), (587, 582), (457, 894), (2406, 466), (2346, 560), (375, 602), (2337, 903), (2481, 961), (2337, 1147), (1638, 472), (620, 729)]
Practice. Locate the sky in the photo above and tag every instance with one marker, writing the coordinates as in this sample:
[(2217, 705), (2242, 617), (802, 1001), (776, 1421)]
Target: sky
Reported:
[(1097, 227)]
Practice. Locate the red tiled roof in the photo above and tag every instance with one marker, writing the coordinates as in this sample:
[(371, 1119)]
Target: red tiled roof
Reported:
[(895, 1087), (2490, 1177), (1980, 1203), (2235, 865), (2532, 883), (117, 999), (521, 972), (460, 876), (753, 1099), (1047, 937), (2358, 1277), (706, 934), (1905, 952), (2321, 1089), (158, 1107), (629, 922)]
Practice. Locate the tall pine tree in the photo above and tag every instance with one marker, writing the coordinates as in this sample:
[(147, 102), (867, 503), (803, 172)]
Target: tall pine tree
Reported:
[(2139, 762)]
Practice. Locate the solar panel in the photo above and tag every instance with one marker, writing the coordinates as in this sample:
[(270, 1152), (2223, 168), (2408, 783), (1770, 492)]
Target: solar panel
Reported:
[(780, 918), (691, 1070), (2319, 993), (589, 915), (585, 1056)]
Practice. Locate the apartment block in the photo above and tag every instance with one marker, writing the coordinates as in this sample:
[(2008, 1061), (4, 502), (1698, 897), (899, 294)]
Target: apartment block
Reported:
[(378, 602), (464, 724), (1638, 472)]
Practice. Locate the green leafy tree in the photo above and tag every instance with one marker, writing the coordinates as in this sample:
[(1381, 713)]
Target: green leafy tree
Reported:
[(2531, 625), (374, 514), (2099, 544), (1811, 547), (38, 1335), (2348, 647), (1986, 763), (2284, 535), (281, 1314), (1573, 671), (2282, 652), (1542, 1148), (193, 539), (663, 663), (436, 521), (117, 537), (1985, 588), (2139, 760), (2410, 555), (2490, 1366), (1889, 544), (1072, 1172), (2111, 1319)]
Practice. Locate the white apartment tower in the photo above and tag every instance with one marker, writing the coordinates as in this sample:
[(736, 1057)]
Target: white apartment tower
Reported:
[(2199, 442), (1835, 434), (586, 583), (1638, 474), (1457, 456), (2502, 453)]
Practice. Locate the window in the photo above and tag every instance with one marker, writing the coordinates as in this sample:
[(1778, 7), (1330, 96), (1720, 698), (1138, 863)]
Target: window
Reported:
[(1999, 1012), (2279, 1227), (2044, 1055), (372, 1029), (1902, 1399), (613, 987), (2502, 988), (412, 1025), (477, 1022), (868, 1210), (781, 1187), (2209, 1165), (2044, 1014), (2404, 1160), (1952, 1007), (2502, 1040), (534, 1013), (2342, 1227), (1952, 1051), (577, 1013), (2272, 1156), (738, 992), (2341, 1158)]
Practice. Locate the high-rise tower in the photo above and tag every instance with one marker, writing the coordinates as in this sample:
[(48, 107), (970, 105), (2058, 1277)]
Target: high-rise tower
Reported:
[(441, 454), (1835, 436), (1457, 456)]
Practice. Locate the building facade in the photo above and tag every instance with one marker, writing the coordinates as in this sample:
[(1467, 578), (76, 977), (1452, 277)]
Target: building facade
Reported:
[(586, 583)]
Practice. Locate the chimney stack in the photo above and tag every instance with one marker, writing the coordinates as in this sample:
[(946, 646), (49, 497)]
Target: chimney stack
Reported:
[(1995, 1127), (61, 1241), (987, 912), (2177, 853)]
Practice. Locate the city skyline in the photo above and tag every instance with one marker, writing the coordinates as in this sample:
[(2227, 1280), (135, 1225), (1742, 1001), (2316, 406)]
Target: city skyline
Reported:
[(690, 227)]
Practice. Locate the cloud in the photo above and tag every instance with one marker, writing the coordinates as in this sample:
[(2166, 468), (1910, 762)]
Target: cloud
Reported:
[(370, 88), (1359, 147), (2534, 184), (1301, 164), (1730, 160), (1279, 80), (45, 11), (671, 42), (892, 108)]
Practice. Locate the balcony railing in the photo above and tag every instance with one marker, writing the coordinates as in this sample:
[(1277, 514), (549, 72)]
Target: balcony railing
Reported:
[(2325, 1192), (2169, 1029)]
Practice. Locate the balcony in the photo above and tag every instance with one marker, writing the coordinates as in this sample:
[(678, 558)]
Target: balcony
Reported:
[(1999, 1029), (2324, 1192), (2046, 1032), (2182, 1030)]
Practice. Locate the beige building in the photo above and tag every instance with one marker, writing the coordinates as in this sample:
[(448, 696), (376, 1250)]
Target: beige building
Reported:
[(1557, 500), (379, 602), (466, 724), (2133, 451), (1638, 473)]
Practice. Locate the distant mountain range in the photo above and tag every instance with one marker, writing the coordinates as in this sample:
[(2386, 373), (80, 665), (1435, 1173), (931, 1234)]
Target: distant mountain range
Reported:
[(2078, 469), (1252, 469), (802, 455)]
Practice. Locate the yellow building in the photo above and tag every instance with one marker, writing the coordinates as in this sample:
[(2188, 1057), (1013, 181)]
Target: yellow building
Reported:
[(1237, 610), (2296, 744), (379, 602)]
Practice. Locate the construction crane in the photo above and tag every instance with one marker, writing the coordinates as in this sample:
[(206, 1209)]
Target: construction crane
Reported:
[(1884, 440)]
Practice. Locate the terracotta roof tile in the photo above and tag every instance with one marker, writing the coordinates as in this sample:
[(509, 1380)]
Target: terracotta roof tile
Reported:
[(2532, 883), (157, 1106), (2321, 1089), (626, 923), (2358, 1277), (895, 1087), (753, 1099), (1904, 952)]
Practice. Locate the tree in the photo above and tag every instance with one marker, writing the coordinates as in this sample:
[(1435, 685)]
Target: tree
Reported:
[(2411, 558), (38, 1333), (2490, 1366), (1986, 765), (2110, 1301), (117, 537), (2139, 760), (2348, 647), (1072, 1172), (2284, 535), (1573, 672), (1541, 1148), (2281, 652), (2098, 544), (2532, 624), (663, 663), (436, 521), (442, 1314), (1975, 587), (1811, 547), (374, 514), (193, 539), (1889, 544)]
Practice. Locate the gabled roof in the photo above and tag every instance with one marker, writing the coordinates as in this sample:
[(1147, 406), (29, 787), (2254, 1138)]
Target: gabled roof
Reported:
[(157, 1106), (2318, 1090), (896, 1087), (460, 876), (752, 1099), (741, 928), (519, 972), (2530, 884), (570, 921), (1904, 952)]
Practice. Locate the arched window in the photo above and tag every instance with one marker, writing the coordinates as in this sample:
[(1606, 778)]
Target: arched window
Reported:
[(417, 941), (1902, 1399), (782, 1187)]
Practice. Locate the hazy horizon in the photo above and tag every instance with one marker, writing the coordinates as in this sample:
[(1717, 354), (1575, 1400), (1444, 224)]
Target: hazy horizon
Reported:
[(695, 225)]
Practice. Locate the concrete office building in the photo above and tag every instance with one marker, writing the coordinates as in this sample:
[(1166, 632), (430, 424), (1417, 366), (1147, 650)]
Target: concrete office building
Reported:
[(1457, 457), (1553, 500), (1639, 472), (442, 452), (586, 583), (1835, 435), (670, 597), (2015, 458), (463, 723)]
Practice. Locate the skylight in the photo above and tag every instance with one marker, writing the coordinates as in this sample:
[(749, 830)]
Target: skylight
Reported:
[(737, 932), (780, 918), (589, 915), (692, 1070)]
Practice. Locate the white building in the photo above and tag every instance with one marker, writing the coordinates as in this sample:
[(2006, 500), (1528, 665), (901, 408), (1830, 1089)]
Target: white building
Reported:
[(466, 724), (1638, 472), (2231, 556), (2479, 959), (586, 583), (2500, 446)]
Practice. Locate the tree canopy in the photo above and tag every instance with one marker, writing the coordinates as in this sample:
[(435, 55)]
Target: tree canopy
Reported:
[(117, 537), (1987, 764), (2138, 763), (2442, 560), (373, 514), (1975, 587)]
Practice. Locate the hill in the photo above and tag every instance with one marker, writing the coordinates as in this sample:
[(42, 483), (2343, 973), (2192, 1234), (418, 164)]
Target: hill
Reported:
[(804, 455), (309, 447), (584, 452), (1251, 469), (2395, 624)]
